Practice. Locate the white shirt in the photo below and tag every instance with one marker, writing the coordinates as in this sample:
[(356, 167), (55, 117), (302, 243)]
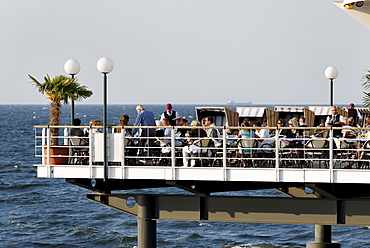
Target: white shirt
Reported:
[(263, 134), (167, 132), (328, 119)]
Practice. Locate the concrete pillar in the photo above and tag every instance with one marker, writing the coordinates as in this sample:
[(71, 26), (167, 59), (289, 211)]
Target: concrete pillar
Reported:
[(146, 226), (322, 236)]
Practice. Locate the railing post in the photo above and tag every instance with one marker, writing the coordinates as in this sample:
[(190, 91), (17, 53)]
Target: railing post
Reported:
[(277, 157), (43, 137), (91, 151), (331, 154), (123, 160), (48, 152), (224, 160), (173, 144), (65, 134)]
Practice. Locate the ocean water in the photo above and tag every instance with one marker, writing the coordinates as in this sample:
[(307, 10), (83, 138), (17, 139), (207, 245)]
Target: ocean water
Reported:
[(38, 212)]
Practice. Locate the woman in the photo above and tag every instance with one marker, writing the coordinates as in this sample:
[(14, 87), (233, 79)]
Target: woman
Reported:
[(123, 121), (191, 150), (94, 129), (245, 137), (292, 133)]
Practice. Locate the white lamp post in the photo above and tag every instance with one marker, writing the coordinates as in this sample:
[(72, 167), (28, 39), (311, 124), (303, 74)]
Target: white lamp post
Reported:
[(72, 67), (331, 73), (105, 66)]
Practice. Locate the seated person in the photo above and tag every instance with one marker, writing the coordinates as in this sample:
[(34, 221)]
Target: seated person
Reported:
[(183, 123), (366, 133), (78, 153), (292, 133), (243, 133), (93, 129), (347, 131), (282, 132), (123, 121), (262, 136), (131, 150), (167, 133), (322, 124), (212, 133), (76, 131), (302, 123), (189, 150)]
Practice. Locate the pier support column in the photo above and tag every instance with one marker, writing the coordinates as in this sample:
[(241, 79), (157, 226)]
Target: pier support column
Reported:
[(146, 226), (322, 235), (323, 238)]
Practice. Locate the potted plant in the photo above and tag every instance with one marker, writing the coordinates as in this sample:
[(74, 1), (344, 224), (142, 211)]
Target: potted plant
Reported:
[(59, 89)]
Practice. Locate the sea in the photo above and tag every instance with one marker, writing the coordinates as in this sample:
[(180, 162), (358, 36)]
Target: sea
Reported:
[(40, 212)]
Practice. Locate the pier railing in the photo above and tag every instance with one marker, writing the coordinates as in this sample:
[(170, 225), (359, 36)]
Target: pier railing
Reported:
[(309, 150)]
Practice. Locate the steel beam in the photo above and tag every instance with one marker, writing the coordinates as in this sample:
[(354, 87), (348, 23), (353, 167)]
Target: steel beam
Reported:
[(316, 211)]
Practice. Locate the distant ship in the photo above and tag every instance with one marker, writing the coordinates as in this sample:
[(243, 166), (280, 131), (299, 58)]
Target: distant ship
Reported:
[(232, 102)]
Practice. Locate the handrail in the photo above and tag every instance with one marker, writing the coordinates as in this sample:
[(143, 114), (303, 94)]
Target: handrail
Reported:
[(303, 157)]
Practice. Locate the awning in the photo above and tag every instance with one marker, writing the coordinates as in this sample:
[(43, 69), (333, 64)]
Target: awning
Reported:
[(307, 113), (326, 110), (250, 111), (269, 114), (222, 116), (320, 110)]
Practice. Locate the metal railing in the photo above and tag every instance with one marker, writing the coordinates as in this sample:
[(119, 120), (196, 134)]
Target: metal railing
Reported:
[(318, 150)]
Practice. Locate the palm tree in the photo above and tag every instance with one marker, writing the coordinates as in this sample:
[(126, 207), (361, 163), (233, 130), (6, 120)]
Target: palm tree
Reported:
[(60, 89), (366, 86)]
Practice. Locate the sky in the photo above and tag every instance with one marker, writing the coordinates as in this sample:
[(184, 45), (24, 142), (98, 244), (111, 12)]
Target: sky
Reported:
[(186, 52)]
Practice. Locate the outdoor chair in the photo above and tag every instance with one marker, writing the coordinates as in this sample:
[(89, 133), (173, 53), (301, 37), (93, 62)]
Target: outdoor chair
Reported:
[(316, 150), (267, 152), (204, 152), (364, 155), (343, 151), (246, 146), (79, 150)]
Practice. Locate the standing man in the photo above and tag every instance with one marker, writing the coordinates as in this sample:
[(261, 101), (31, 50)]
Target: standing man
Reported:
[(145, 118), (335, 120), (170, 114), (354, 113)]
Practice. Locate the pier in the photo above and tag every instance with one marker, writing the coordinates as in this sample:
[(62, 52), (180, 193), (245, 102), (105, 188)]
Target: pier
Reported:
[(316, 184)]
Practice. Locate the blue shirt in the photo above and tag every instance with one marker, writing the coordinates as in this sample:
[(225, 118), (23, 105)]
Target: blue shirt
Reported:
[(145, 118)]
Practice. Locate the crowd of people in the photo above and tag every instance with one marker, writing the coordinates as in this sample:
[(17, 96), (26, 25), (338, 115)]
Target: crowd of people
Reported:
[(189, 133)]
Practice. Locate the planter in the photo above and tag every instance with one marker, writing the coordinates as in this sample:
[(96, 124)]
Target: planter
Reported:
[(58, 155)]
